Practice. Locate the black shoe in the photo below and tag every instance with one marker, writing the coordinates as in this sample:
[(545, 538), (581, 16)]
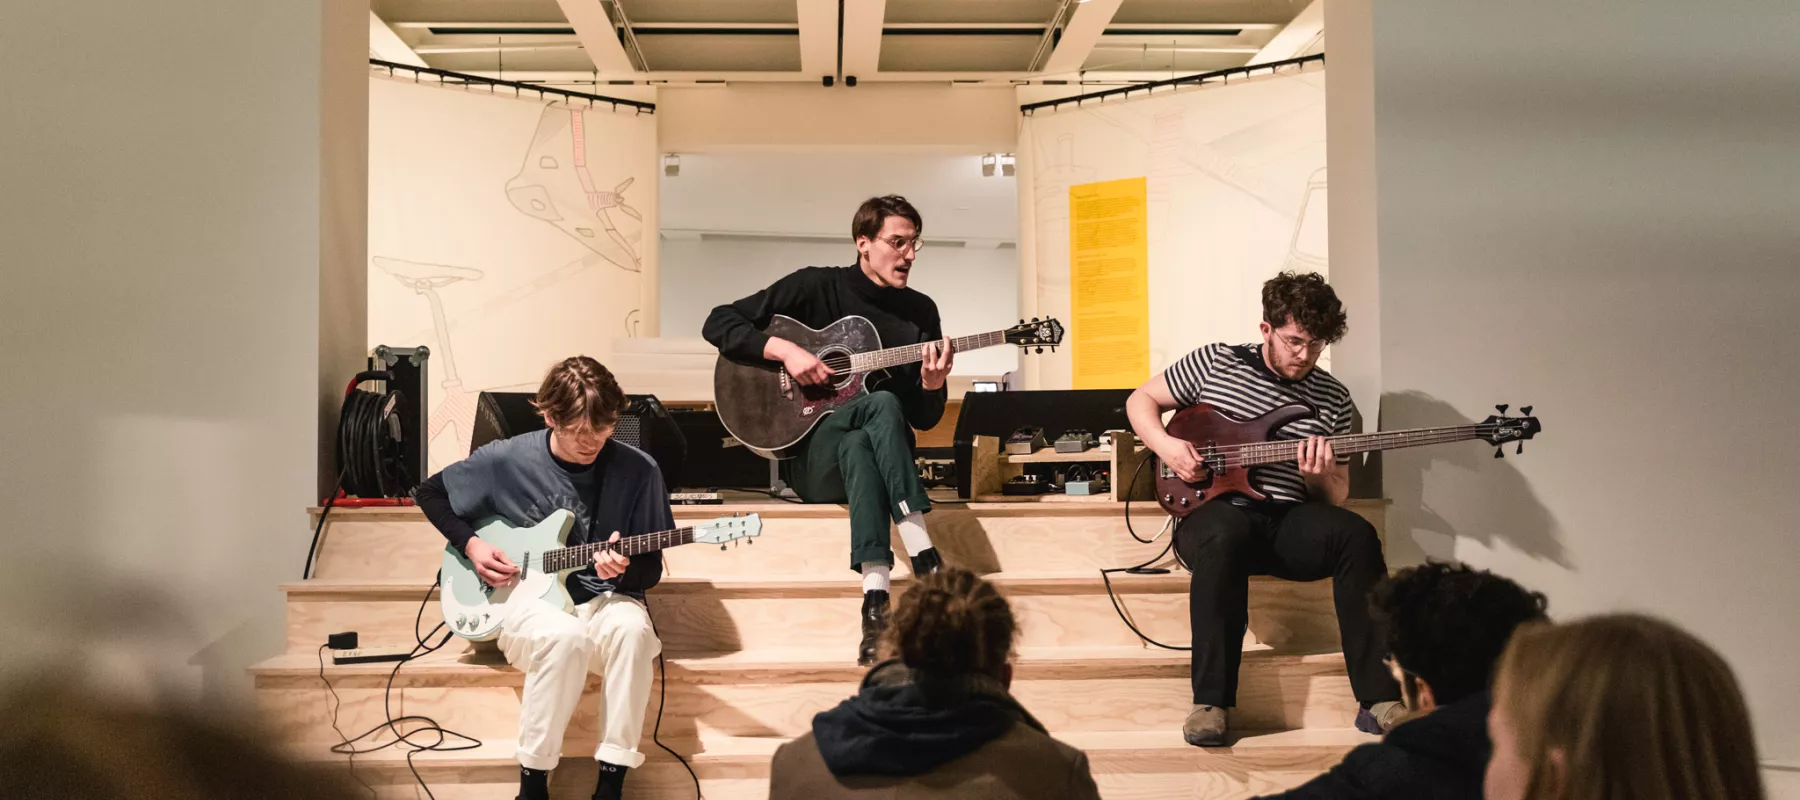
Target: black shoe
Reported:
[(534, 784), (611, 785), (874, 621), (927, 563)]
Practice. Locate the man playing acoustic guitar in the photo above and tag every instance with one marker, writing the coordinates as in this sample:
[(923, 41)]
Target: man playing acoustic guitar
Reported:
[(610, 486), (863, 452), (1303, 532)]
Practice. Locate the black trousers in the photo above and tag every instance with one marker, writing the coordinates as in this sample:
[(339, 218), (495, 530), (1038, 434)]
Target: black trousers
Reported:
[(1225, 544)]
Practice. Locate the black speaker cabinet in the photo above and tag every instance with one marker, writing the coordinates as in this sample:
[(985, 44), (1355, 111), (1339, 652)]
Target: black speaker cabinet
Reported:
[(645, 424), (711, 462)]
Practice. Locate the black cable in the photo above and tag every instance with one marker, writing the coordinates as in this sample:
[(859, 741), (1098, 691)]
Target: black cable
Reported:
[(1105, 574), (1105, 577), (313, 549), (337, 703), (422, 647), (662, 700)]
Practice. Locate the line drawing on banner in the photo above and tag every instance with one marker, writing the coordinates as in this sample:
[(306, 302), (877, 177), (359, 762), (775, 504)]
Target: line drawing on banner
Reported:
[(455, 408), (1309, 250), (555, 185)]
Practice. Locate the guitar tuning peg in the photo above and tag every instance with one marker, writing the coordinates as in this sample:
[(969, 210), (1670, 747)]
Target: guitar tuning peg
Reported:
[(1526, 410), (1502, 409), (1034, 319), (1499, 453), (1040, 349), (1521, 450), (722, 547)]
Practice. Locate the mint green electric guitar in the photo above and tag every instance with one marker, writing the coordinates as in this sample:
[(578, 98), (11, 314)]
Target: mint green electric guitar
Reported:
[(474, 609)]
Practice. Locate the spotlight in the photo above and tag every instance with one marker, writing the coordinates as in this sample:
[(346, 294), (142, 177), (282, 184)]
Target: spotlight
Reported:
[(671, 165), (987, 165), (1006, 164)]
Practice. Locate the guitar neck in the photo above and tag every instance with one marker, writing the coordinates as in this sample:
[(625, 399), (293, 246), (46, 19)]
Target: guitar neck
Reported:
[(580, 555), (912, 353), (1273, 452)]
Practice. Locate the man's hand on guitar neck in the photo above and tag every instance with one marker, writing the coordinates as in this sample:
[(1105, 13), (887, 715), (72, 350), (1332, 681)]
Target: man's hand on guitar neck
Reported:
[(608, 563), (802, 365), (1325, 480), (490, 563), (935, 368)]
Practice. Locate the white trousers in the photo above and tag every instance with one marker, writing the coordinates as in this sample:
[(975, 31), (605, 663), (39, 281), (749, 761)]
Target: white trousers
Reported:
[(609, 636)]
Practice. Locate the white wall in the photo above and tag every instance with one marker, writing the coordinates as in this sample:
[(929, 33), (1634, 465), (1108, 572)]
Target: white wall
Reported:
[(805, 199), (1598, 217), (159, 330), (976, 290)]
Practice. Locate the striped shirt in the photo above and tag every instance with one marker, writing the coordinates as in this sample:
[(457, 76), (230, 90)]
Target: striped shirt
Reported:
[(1237, 381)]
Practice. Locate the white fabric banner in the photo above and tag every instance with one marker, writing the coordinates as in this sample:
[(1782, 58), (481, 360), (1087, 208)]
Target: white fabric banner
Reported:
[(1236, 193), (505, 235)]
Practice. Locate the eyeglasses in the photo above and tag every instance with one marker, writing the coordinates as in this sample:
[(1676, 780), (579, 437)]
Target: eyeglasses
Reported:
[(1296, 345), (914, 244)]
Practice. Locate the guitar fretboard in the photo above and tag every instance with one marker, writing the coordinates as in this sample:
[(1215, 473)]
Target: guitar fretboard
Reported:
[(579, 555), (1289, 449), (909, 353)]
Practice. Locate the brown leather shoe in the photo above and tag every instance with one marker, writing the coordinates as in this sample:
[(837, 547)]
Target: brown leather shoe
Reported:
[(1205, 726)]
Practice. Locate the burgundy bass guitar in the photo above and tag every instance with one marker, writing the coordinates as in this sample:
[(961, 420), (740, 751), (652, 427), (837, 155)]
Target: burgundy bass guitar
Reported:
[(1229, 446)]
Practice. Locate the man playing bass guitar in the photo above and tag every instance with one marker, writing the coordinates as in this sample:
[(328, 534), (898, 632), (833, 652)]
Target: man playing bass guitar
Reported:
[(1302, 532), (862, 453)]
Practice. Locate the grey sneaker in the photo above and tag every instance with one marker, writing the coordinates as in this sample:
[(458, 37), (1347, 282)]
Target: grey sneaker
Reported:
[(1205, 726), (1381, 717)]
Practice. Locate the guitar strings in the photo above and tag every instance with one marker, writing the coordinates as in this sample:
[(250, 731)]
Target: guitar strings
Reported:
[(1257, 453)]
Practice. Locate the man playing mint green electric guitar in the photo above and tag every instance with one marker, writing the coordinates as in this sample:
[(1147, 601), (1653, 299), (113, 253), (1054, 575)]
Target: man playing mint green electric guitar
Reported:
[(607, 487)]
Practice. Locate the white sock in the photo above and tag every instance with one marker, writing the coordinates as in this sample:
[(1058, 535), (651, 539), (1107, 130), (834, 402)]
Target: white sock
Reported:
[(913, 535), (875, 577)]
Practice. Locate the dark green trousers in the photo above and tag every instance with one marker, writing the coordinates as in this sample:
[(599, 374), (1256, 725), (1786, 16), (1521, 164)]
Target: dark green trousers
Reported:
[(862, 455)]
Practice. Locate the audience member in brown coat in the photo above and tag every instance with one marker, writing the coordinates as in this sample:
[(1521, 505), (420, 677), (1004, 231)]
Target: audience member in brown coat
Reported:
[(935, 719)]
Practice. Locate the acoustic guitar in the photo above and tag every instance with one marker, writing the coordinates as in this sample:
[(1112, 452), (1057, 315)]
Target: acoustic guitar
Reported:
[(770, 412)]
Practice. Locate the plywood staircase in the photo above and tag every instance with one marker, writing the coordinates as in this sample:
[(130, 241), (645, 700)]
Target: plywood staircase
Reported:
[(761, 637)]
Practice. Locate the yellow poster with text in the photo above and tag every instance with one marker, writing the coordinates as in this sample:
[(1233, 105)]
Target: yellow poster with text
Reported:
[(1109, 284)]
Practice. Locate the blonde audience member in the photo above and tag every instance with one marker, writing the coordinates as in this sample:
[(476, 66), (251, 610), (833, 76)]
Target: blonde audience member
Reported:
[(1618, 707)]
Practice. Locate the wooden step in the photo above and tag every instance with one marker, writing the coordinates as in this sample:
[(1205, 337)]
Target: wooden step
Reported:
[(806, 540), (1125, 765), (726, 615), (777, 693)]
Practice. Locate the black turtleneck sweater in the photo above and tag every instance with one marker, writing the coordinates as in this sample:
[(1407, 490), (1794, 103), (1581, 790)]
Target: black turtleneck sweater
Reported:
[(819, 296)]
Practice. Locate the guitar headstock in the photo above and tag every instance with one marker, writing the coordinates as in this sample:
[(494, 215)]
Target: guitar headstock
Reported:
[(1039, 333), (720, 530), (1498, 429)]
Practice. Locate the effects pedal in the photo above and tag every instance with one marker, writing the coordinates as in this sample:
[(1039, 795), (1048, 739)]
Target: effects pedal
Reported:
[(1025, 441), (1026, 485), (1074, 441)]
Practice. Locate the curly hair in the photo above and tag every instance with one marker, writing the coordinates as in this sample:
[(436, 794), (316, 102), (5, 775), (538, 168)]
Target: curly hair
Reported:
[(951, 623), (1448, 623), (1306, 300), (580, 390)]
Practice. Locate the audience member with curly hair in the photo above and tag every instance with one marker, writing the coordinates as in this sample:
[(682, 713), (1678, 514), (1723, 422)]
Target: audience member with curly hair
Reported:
[(935, 718), (1446, 628)]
